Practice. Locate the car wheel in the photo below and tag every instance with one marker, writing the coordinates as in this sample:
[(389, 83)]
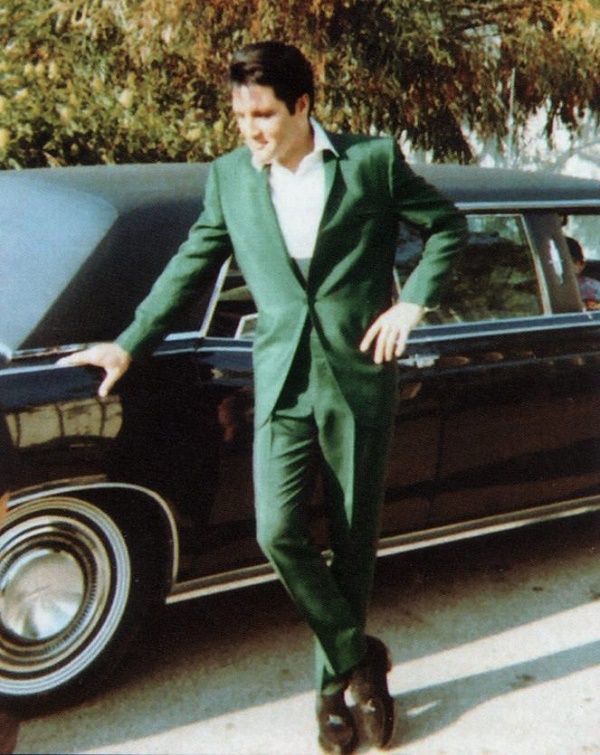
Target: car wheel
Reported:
[(72, 589)]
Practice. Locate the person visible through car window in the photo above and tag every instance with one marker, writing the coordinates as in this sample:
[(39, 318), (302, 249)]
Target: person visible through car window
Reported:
[(589, 288)]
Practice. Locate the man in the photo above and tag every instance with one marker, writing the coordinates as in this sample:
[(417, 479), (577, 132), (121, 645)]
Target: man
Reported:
[(589, 288), (312, 220)]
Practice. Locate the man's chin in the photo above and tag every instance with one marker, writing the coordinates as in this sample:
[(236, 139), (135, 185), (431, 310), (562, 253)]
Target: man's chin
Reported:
[(261, 157)]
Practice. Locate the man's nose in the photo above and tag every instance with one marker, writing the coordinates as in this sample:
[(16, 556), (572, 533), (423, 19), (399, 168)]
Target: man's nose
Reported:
[(250, 127)]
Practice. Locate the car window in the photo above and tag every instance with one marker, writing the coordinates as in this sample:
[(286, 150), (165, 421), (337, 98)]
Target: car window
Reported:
[(494, 277), (234, 312), (582, 235), (586, 229)]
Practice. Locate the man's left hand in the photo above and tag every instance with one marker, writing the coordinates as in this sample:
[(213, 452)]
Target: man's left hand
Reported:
[(389, 333)]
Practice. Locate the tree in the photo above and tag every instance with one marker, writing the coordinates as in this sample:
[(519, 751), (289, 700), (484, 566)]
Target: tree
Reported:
[(86, 81)]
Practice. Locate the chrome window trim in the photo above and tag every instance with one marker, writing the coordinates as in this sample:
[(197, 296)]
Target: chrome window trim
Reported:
[(512, 206), (543, 288), (214, 299), (457, 331), (422, 335), (485, 328), (185, 335)]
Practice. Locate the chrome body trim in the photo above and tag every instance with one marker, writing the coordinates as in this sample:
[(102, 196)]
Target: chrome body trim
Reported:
[(261, 573), (97, 483), (422, 334)]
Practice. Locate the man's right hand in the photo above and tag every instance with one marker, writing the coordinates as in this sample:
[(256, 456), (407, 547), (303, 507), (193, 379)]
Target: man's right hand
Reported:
[(113, 359)]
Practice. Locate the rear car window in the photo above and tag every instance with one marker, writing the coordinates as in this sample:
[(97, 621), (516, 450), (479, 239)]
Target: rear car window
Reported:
[(493, 278)]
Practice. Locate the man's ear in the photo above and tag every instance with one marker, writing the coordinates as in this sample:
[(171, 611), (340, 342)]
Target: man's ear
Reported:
[(302, 104)]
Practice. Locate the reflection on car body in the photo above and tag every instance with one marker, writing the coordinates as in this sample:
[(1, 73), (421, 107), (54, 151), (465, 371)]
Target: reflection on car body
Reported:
[(146, 497)]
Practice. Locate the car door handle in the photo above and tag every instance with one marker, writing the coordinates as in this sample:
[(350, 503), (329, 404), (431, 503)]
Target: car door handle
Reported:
[(421, 360)]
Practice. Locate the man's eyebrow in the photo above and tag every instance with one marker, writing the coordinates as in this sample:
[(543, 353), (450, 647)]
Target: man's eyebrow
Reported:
[(255, 111)]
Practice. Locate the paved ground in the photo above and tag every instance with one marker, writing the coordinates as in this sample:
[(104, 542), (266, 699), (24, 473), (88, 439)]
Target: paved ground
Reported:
[(496, 646)]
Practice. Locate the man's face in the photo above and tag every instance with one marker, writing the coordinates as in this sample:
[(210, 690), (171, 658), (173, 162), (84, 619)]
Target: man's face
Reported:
[(270, 131)]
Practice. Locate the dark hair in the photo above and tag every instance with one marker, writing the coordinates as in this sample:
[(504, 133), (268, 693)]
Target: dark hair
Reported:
[(575, 249), (277, 65)]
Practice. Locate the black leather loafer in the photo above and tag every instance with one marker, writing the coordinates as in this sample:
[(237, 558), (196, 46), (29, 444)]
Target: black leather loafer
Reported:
[(368, 686), (337, 732)]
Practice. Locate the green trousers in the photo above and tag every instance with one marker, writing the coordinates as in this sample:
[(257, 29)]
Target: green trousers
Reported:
[(312, 424)]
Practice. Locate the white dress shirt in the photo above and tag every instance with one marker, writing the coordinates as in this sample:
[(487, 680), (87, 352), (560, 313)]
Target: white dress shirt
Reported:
[(299, 199)]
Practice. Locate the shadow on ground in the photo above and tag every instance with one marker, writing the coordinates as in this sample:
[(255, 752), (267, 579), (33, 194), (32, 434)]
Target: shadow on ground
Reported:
[(229, 653)]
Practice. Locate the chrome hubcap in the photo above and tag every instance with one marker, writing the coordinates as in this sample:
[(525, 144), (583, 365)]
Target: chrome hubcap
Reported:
[(41, 594), (65, 579)]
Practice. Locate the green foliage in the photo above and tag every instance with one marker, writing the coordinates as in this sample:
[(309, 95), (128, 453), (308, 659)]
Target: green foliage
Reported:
[(75, 90), (91, 81)]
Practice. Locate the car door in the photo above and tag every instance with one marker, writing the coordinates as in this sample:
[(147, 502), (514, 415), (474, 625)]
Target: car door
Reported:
[(518, 385)]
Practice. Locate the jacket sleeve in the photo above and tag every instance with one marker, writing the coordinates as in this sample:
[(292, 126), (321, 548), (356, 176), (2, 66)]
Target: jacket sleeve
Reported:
[(421, 204), (208, 245)]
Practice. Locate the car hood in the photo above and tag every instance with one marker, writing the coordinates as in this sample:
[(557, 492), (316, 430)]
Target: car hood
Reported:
[(47, 232)]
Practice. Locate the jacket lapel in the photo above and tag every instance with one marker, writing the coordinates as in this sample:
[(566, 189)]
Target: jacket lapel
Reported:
[(334, 191), (267, 219), (331, 167)]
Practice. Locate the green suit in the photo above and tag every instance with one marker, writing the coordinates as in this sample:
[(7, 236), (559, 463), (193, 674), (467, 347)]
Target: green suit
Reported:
[(313, 386)]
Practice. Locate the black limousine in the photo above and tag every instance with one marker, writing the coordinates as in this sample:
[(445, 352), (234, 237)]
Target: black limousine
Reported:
[(499, 389)]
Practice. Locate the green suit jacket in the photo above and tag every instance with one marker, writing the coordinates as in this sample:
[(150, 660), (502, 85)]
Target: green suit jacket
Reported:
[(369, 187)]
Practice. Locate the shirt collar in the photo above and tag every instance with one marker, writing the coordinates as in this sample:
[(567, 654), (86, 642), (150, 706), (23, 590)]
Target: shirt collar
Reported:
[(322, 143)]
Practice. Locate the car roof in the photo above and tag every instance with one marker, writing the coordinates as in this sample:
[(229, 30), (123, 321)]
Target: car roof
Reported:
[(469, 185), (475, 188), (54, 220)]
